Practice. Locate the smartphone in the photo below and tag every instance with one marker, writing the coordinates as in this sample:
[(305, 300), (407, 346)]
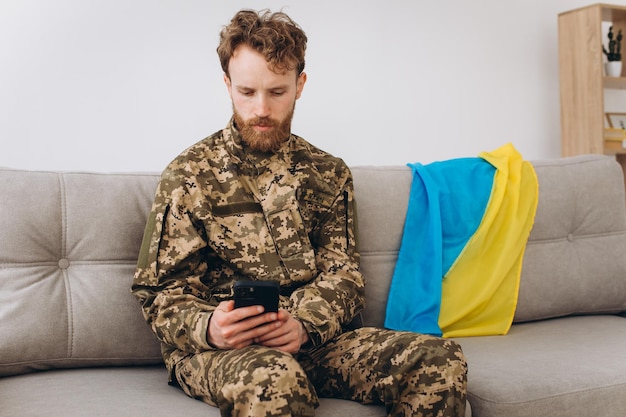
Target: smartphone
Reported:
[(253, 293)]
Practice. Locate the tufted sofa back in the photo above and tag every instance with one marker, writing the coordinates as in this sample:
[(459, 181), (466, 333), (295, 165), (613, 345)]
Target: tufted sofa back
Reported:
[(68, 249)]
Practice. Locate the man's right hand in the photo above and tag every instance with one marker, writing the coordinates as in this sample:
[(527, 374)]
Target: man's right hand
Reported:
[(231, 328)]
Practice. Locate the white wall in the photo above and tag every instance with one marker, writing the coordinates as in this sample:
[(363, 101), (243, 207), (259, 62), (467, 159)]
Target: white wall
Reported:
[(125, 85)]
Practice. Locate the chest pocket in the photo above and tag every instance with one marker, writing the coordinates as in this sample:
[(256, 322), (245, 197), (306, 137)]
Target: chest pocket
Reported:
[(291, 240), (240, 237)]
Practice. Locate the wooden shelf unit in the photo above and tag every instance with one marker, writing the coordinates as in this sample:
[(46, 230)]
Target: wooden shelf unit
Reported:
[(582, 80)]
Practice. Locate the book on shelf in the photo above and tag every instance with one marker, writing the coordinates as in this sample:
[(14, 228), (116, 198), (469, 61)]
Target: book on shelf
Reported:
[(614, 134), (614, 139)]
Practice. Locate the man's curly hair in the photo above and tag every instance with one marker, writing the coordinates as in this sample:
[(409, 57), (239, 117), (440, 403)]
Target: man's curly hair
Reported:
[(274, 35)]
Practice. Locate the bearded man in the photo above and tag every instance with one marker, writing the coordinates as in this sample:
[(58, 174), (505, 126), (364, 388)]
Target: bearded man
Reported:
[(254, 201)]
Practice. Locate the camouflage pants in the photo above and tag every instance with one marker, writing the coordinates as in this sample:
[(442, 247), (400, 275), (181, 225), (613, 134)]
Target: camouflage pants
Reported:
[(411, 374)]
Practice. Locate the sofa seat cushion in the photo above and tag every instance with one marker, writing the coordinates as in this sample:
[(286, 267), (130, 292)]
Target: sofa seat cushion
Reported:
[(127, 391), (123, 391), (558, 368)]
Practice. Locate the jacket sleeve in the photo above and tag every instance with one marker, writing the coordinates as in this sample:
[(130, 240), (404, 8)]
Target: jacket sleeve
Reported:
[(336, 296), (167, 280)]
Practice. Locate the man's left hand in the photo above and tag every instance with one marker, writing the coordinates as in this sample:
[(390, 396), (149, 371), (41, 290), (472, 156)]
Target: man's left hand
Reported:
[(288, 337)]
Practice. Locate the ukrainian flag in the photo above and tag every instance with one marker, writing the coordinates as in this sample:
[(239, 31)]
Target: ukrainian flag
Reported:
[(466, 228)]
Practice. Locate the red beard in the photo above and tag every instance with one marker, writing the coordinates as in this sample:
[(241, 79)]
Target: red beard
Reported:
[(268, 141)]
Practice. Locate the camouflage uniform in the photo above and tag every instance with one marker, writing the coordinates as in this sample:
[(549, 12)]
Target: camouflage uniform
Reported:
[(223, 213)]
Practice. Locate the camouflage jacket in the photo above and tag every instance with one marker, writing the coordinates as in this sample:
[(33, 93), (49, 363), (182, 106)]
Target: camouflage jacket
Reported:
[(223, 213)]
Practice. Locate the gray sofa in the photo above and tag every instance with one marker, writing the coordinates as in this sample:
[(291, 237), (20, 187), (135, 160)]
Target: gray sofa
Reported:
[(73, 341)]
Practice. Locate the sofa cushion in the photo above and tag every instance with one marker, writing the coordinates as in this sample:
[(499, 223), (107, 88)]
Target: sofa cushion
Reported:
[(128, 391), (570, 366), (574, 261), (68, 249)]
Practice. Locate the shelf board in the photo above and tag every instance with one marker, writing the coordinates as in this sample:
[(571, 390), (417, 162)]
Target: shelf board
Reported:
[(608, 12), (611, 13), (618, 83)]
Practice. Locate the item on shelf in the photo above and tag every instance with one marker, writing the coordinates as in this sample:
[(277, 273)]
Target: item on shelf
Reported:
[(614, 139), (617, 120), (614, 134), (615, 46), (613, 67)]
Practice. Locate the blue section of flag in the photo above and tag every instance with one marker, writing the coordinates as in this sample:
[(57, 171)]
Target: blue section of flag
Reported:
[(446, 205)]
